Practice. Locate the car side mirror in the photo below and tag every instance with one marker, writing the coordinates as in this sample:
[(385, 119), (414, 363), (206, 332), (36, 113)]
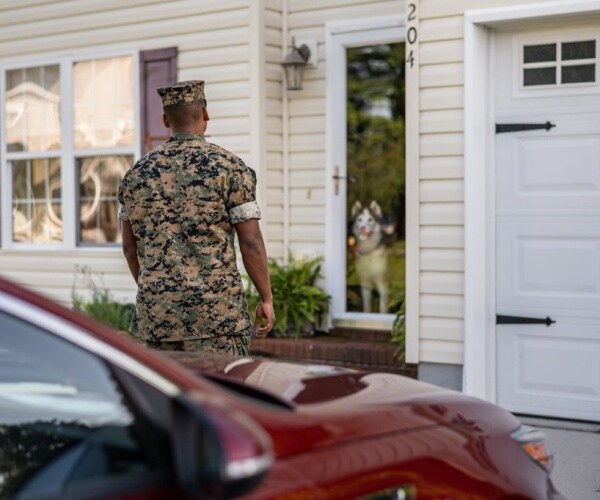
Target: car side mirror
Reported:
[(218, 451)]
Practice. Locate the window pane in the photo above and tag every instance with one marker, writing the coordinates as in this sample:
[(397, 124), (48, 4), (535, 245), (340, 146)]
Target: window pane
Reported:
[(375, 187), (99, 179), (64, 422), (539, 76), (36, 201), (103, 103), (539, 53), (579, 50), (578, 74), (32, 109)]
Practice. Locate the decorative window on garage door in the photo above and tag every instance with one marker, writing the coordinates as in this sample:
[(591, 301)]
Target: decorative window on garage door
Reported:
[(556, 64)]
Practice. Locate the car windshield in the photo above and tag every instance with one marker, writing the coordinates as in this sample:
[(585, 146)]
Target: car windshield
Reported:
[(63, 418)]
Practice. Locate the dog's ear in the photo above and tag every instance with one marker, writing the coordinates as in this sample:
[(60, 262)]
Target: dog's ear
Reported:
[(375, 209), (356, 208)]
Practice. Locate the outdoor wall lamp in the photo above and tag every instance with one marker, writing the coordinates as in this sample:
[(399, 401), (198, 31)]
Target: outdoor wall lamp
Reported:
[(294, 64)]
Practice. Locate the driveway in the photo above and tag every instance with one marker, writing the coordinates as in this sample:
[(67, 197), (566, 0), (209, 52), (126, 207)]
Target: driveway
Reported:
[(576, 448)]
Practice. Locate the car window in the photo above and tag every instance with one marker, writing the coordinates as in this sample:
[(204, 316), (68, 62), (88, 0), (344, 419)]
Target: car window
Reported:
[(64, 421)]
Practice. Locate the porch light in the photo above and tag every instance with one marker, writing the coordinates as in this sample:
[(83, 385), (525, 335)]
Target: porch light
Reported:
[(294, 64)]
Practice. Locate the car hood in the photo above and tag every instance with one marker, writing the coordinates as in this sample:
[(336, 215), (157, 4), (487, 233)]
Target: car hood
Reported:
[(332, 404), (302, 384)]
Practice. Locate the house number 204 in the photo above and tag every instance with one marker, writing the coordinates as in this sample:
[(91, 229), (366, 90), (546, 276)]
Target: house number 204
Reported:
[(411, 33)]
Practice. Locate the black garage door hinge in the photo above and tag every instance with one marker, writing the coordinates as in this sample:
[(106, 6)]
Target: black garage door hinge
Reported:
[(520, 320), (520, 127)]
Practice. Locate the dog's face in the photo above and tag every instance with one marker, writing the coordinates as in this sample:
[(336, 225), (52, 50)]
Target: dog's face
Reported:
[(367, 220)]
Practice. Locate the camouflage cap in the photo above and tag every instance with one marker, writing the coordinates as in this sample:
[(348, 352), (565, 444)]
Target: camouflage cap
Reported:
[(182, 93)]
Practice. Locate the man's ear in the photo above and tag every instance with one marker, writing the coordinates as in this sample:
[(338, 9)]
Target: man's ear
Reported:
[(205, 115), (166, 121)]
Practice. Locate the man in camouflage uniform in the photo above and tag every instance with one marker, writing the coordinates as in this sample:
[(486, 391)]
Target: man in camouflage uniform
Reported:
[(180, 205)]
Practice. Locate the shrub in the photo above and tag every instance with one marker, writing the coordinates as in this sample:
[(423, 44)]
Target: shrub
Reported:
[(100, 305), (398, 333), (298, 302)]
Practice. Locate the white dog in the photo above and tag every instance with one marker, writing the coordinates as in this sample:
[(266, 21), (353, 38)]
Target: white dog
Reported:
[(371, 254)]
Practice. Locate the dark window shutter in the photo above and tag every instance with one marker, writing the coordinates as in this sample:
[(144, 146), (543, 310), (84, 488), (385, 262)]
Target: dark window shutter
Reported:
[(158, 68)]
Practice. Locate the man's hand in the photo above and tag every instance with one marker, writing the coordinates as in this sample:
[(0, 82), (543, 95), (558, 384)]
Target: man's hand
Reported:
[(265, 317), (254, 256)]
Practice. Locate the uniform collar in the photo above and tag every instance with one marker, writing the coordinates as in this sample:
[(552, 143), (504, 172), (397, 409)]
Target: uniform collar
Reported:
[(187, 136)]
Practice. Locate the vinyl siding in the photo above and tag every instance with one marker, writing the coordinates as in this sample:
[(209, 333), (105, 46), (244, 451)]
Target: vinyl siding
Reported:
[(214, 42), (441, 172), (274, 108), (56, 273)]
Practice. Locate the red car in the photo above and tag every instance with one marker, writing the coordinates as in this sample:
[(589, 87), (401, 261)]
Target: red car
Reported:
[(86, 412)]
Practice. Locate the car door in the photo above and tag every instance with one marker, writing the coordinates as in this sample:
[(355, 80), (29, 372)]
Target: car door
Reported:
[(67, 428)]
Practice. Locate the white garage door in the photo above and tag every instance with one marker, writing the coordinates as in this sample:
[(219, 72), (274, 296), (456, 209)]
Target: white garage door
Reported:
[(548, 222)]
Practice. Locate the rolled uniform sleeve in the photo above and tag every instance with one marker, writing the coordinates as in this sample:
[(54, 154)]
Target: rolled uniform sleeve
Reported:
[(122, 213), (241, 203)]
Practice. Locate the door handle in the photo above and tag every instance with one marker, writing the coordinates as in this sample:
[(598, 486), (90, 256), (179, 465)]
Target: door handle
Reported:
[(336, 180), (521, 320)]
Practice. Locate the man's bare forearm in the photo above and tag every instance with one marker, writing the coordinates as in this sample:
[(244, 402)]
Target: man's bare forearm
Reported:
[(255, 263)]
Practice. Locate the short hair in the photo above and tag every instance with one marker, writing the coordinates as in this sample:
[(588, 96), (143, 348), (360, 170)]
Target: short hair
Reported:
[(184, 114)]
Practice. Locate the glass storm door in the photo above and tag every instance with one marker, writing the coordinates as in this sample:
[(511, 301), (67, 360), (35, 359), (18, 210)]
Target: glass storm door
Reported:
[(367, 220)]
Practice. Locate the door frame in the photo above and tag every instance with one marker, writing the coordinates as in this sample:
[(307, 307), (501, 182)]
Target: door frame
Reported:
[(479, 368), (339, 36)]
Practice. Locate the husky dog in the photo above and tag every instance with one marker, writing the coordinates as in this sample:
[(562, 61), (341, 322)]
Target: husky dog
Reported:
[(371, 254)]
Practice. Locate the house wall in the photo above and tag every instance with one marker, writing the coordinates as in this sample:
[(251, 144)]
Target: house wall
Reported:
[(237, 47), (214, 42), (274, 108), (441, 176)]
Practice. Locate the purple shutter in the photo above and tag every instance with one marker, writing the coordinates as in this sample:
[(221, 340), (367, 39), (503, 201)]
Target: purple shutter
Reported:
[(157, 69)]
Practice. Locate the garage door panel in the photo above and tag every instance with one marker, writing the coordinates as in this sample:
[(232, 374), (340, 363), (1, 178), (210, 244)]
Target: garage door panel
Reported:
[(554, 267), (549, 170), (551, 367)]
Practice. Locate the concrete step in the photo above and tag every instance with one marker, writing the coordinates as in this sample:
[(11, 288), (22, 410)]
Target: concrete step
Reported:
[(339, 351)]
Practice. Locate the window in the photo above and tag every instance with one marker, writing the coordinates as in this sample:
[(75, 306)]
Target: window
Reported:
[(559, 64), (65, 425), (71, 133)]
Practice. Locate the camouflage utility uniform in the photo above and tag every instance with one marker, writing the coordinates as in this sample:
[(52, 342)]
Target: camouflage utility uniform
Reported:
[(182, 200)]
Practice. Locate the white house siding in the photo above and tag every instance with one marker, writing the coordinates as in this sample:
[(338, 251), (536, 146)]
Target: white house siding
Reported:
[(441, 176), (214, 42), (276, 178)]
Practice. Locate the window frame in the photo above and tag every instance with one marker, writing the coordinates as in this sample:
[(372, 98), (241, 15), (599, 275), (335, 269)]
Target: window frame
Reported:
[(67, 154), (520, 90)]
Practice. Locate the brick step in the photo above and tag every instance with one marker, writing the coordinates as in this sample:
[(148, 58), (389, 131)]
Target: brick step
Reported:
[(369, 356), (360, 334)]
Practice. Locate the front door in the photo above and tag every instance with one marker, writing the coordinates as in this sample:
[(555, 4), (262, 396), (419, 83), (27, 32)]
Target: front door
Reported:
[(548, 222), (367, 174)]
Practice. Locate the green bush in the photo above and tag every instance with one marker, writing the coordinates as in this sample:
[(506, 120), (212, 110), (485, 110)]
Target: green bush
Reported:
[(298, 302), (101, 305), (398, 304)]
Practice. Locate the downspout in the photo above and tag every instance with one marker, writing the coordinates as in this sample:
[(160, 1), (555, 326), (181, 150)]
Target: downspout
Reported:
[(257, 95), (286, 140)]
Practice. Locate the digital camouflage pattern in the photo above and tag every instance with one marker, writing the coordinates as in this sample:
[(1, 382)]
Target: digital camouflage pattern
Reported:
[(182, 200), (182, 93)]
